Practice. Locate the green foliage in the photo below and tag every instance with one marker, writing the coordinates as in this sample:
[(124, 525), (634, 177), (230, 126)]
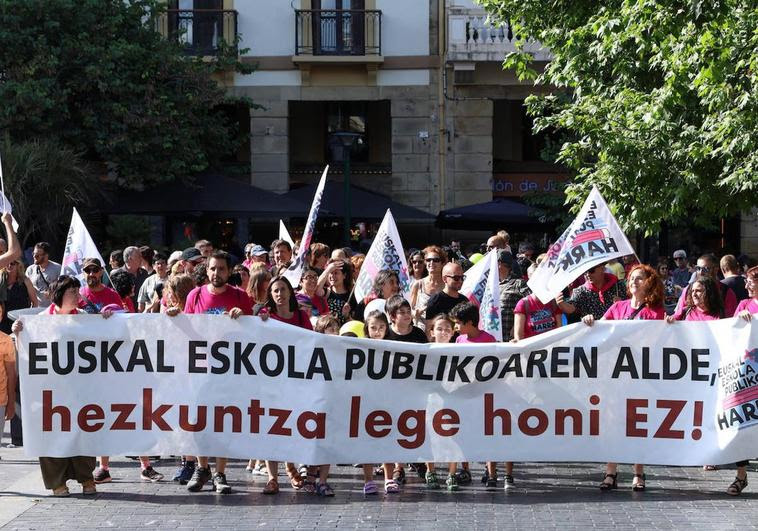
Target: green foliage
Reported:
[(96, 75), (123, 231), (662, 113), (43, 181)]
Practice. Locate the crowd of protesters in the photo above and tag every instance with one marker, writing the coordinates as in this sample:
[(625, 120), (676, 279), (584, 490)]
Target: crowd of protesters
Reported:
[(201, 279)]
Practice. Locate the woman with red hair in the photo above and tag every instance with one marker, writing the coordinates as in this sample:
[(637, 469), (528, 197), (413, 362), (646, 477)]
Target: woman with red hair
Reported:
[(645, 302)]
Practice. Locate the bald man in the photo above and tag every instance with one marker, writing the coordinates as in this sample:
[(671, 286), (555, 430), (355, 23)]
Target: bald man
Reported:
[(443, 302)]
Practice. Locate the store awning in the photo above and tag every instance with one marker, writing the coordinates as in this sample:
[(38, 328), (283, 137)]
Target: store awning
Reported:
[(486, 216), (363, 203), (208, 194)]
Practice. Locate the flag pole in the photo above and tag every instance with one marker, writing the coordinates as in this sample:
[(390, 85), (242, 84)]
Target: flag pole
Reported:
[(2, 186)]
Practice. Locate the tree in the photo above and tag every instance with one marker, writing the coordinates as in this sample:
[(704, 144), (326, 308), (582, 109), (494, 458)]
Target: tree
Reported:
[(662, 112), (43, 181), (96, 75)]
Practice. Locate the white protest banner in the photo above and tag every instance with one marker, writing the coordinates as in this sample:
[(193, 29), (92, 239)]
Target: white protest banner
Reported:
[(79, 245), (386, 252), (295, 270), (619, 391), (476, 278), (284, 234), (593, 238), (489, 307)]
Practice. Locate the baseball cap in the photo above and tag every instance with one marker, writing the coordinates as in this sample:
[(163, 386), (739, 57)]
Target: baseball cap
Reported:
[(257, 250), (679, 253), (91, 262), (190, 254)]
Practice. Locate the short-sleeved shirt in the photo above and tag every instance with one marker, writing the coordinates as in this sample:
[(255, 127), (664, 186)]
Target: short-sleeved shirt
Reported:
[(483, 337), (728, 297), (299, 318), (147, 291), (681, 276), (42, 279), (540, 318), (737, 285), (7, 355), (748, 304), (94, 301), (693, 314), (200, 300), (442, 303), (512, 290), (588, 301), (416, 335), (623, 310)]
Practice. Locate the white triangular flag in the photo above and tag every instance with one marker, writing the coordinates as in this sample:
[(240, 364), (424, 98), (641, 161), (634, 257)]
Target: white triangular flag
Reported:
[(593, 238), (6, 206), (284, 234), (489, 309), (79, 245), (295, 270), (476, 278), (386, 252)]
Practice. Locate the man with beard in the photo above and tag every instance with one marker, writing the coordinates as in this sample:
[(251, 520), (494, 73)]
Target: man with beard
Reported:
[(96, 295), (43, 272), (216, 297)]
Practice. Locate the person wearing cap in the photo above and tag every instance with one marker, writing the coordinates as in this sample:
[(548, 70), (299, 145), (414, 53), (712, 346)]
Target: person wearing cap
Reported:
[(681, 273), (96, 295), (513, 288), (255, 254), (190, 258)]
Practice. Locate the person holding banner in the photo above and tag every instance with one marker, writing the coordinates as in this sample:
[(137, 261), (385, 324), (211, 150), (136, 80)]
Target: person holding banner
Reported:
[(703, 302), (707, 265), (645, 302), (281, 305), (65, 297), (599, 291), (216, 297)]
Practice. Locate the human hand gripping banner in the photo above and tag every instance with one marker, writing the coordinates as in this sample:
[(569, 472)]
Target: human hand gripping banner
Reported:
[(594, 237), (626, 391)]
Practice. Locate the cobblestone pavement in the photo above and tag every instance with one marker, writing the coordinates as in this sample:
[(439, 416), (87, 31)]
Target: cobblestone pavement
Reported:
[(546, 496)]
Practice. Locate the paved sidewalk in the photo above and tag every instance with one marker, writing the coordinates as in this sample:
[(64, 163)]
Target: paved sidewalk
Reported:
[(546, 496)]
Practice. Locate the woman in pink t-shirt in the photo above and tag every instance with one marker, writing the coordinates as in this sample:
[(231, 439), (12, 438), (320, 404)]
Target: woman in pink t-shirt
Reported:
[(703, 303), (645, 302)]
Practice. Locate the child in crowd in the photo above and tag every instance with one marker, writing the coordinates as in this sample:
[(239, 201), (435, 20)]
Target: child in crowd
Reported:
[(327, 324), (466, 318), (377, 327), (441, 330)]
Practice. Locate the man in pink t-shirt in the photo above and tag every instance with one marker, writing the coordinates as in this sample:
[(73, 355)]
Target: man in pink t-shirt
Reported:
[(466, 318), (216, 297), (96, 295)]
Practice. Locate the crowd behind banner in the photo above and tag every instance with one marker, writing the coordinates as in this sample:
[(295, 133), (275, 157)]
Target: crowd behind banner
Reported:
[(433, 308)]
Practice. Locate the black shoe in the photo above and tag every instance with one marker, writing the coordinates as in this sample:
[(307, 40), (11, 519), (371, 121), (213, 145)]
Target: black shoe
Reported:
[(184, 472), (199, 478), (464, 477), (219, 483), (419, 468)]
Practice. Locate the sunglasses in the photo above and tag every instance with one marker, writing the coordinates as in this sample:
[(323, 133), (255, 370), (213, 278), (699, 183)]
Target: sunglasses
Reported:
[(435, 260), (91, 270), (456, 278), (702, 269), (417, 262)]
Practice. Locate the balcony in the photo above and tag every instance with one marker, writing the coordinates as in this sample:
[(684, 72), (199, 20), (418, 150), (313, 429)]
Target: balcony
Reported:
[(199, 31), (332, 34), (473, 38)]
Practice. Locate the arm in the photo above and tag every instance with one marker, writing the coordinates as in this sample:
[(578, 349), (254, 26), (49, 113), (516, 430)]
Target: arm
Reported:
[(10, 372), (32, 292), (566, 307), (14, 248), (519, 323)]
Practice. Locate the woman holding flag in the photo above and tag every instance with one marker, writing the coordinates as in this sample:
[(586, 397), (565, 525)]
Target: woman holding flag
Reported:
[(645, 302)]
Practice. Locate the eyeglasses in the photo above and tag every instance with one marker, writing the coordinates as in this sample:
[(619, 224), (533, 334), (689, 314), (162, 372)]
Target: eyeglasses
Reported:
[(456, 278), (702, 269), (310, 277), (434, 260), (92, 270)]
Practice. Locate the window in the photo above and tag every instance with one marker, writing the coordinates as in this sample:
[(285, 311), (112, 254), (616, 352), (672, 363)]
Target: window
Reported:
[(338, 27)]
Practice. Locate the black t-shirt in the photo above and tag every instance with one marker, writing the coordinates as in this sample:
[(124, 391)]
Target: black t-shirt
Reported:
[(737, 285), (416, 335), (442, 303)]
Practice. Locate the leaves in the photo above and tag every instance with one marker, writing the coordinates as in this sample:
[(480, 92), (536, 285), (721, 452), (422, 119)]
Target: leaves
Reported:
[(95, 75), (662, 106)]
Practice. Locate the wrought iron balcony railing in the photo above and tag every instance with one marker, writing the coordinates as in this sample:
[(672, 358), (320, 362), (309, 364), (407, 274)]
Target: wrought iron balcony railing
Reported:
[(199, 31), (338, 32)]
